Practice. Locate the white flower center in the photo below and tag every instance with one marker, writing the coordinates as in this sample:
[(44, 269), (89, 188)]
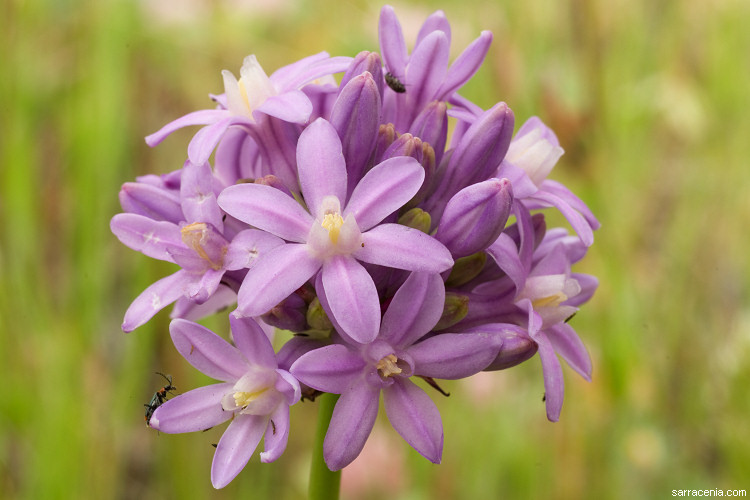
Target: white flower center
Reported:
[(332, 234), (252, 89), (253, 394)]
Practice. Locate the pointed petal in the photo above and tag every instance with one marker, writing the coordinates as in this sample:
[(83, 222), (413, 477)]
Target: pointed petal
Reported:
[(414, 310), (352, 297), (465, 65), (202, 289), (333, 368), (274, 276), (553, 377), (236, 447), (252, 341), (207, 352), (276, 435), (505, 254), (394, 245), (351, 424), (155, 298), (415, 417), (453, 356), (202, 117), (196, 410), (197, 195), (322, 171), (427, 67), (148, 236), (311, 72), (384, 189), (567, 344), (577, 221), (435, 22), (571, 199), (392, 44), (292, 106), (189, 309), (267, 208)]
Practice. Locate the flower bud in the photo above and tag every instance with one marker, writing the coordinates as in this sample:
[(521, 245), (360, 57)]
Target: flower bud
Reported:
[(456, 308), (466, 269), (317, 317), (516, 349), (289, 314), (416, 218)]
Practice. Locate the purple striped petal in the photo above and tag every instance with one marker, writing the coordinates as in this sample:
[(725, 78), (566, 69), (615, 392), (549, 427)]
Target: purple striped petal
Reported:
[(465, 65), (332, 368), (155, 298), (392, 44), (322, 170), (274, 277), (292, 106), (207, 352), (352, 297), (453, 356), (567, 344), (351, 424), (553, 377), (384, 189), (276, 435), (414, 310), (148, 236), (415, 417), (202, 117), (197, 195), (236, 447), (394, 245), (268, 209), (196, 410), (252, 341), (427, 66)]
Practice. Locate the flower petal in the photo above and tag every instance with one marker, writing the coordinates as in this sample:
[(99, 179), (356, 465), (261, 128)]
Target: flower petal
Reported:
[(332, 368), (247, 246), (196, 410), (148, 236), (275, 275), (202, 117), (321, 166), (267, 208), (205, 140), (427, 67), (577, 221), (414, 310), (352, 297), (292, 106), (567, 344), (384, 189), (553, 377), (452, 356), (465, 65), (351, 424), (252, 341), (392, 44), (276, 435), (208, 352), (394, 245), (156, 297), (197, 195), (153, 202), (236, 447), (415, 417)]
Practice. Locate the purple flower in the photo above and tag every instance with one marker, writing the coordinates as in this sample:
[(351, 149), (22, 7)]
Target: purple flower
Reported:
[(254, 394), (359, 372), (198, 246), (335, 234)]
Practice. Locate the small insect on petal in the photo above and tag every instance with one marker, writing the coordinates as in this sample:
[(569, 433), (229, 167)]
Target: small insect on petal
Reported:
[(394, 83), (158, 398)]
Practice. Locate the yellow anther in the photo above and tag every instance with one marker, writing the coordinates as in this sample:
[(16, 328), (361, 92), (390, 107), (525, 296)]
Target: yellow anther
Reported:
[(387, 366), (333, 222), (550, 301), (242, 399), (195, 236)]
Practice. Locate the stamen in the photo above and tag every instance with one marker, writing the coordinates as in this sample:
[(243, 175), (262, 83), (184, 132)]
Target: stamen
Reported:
[(333, 222), (550, 301), (195, 236), (387, 366), (242, 399)]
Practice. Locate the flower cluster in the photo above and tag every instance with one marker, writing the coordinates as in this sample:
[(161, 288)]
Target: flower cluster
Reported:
[(346, 214)]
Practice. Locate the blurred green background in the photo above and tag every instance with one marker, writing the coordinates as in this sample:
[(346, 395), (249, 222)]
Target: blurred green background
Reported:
[(649, 99)]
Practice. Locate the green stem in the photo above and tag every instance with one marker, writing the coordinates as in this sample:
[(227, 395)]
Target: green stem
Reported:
[(324, 484)]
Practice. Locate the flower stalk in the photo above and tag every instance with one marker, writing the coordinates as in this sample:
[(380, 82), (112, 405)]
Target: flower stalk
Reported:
[(324, 483)]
